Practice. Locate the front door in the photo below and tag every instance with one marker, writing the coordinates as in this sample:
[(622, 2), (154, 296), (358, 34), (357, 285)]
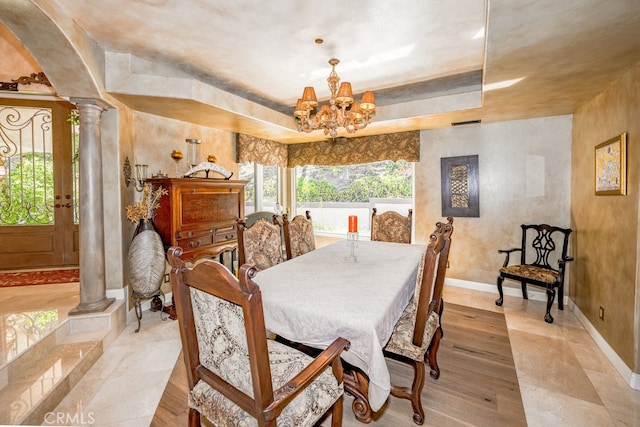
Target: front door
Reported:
[(38, 184)]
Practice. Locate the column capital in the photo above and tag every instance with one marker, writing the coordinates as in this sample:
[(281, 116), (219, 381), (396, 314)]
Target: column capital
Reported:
[(91, 101)]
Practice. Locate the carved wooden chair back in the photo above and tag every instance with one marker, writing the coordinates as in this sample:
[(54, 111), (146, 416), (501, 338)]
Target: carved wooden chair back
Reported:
[(541, 243), (261, 244), (416, 337), (298, 235), (235, 373), (391, 226)]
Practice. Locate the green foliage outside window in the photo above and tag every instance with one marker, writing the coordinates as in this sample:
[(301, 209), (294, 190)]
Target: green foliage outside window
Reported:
[(356, 183), (26, 193)]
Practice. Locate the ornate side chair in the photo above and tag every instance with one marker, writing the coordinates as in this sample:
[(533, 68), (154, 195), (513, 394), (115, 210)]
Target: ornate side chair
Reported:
[(261, 244), (391, 227), (539, 241), (298, 235), (416, 337), (236, 376)]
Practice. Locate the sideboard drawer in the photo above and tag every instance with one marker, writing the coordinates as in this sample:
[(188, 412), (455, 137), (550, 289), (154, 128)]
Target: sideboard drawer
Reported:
[(187, 234), (196, 242), (226, 235)]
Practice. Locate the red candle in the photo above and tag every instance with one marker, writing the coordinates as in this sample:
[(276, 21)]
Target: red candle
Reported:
[(353, 224)]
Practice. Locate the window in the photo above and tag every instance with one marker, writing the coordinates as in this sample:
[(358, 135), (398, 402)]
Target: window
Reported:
[(332, 193), (262, 190)]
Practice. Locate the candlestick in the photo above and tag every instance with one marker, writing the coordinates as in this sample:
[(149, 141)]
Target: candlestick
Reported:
[(352, 239), (353, 224)]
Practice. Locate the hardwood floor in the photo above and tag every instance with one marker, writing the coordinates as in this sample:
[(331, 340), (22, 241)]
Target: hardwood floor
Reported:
[(477, 386)]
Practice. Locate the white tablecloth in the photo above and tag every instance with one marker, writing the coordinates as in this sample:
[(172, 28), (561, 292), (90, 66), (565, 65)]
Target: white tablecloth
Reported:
[(322, 295)]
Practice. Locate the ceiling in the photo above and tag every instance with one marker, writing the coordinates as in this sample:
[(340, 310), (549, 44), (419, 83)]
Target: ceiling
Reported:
[(430, 62)]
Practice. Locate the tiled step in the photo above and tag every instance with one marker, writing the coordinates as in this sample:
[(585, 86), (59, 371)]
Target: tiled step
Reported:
[(45, 381), (36, 380)]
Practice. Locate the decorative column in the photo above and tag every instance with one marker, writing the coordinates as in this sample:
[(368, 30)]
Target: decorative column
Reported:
[(93, 288)]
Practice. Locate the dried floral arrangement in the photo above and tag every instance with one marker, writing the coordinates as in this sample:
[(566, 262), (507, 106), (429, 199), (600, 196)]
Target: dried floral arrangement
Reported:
[(143, 210)]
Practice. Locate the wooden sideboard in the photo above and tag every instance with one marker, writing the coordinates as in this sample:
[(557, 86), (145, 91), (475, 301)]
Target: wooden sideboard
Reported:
[(199, 215)]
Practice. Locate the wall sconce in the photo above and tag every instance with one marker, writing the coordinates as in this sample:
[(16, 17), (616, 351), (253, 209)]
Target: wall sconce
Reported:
[(140, 177)]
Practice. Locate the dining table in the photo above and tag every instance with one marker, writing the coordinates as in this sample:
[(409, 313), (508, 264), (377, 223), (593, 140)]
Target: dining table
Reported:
[(355, 289)]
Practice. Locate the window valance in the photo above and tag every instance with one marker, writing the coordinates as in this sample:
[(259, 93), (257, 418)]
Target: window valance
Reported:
[(261, 151), (351, 151), (342, 151)]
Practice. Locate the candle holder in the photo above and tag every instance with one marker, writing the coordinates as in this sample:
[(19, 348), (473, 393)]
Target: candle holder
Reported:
[(176, 155), (352, 242), (192, 151)]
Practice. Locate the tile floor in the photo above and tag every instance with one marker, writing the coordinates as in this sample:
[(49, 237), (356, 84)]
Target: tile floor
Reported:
[(565, 380)]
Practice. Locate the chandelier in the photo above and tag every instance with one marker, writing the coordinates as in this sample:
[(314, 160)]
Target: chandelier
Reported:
[(342, 111)]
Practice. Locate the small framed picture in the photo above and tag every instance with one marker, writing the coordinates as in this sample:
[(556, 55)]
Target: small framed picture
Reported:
[(611, 167)]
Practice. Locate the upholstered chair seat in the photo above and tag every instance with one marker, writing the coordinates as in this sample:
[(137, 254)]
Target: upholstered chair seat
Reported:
[(401, 341), (539, 274)]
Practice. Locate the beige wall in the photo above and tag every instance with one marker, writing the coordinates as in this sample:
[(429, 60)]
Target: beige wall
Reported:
[(16, 61), (155, 137), (524, 169), (605, 273)]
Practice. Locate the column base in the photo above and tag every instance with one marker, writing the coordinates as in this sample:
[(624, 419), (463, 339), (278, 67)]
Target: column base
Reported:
[(92, 307)]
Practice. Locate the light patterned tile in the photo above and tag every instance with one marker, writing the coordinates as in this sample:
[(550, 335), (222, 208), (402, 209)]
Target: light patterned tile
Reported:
[(550, 364), (545, 408), (137, 395), (622, 402)]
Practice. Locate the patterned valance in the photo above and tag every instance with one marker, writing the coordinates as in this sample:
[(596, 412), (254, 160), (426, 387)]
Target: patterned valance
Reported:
[(261, 151), (351, 151), (342, 151)]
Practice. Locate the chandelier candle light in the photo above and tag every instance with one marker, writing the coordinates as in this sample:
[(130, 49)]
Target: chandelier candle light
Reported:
[(342, 111), (352, 238)]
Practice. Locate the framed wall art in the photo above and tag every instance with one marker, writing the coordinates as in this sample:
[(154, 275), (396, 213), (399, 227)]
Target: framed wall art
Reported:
[(460, 186), (611, 167)]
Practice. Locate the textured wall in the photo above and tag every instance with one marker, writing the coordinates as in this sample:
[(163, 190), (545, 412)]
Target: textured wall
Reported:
[(605, 273), (155, 137), (525, 174), (16, 61)]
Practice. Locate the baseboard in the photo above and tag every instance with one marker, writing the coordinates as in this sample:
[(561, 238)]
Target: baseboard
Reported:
[(117, 293), (534, 294), (630, 377)]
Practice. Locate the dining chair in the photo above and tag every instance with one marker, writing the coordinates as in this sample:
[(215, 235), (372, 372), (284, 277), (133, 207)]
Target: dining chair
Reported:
[(235, 375), (390, 226), (540, 241), (416, 336), (298, 235), (261, 244)]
